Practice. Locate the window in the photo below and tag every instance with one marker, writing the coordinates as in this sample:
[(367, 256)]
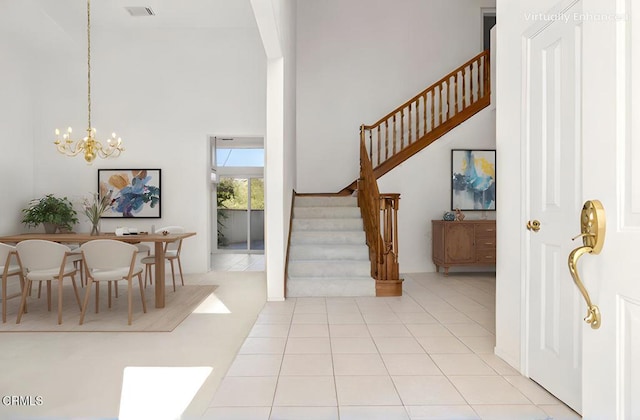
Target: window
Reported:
[(253, 158)]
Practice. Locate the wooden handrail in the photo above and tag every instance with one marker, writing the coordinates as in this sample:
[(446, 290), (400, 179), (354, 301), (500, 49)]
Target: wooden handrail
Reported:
[(439, 82), (399, 135), (431, 113), (379, 214)]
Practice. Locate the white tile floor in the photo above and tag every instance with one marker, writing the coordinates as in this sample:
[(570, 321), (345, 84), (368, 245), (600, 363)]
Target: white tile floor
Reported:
[(225, 261), (425, 355), (81, 375)]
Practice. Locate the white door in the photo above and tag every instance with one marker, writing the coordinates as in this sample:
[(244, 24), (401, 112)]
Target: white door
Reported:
[(552, 75), (611, 174)]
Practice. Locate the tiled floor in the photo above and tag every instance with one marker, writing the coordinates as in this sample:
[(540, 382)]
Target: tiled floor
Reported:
[(224, 261), (83, 375), (425, 355)]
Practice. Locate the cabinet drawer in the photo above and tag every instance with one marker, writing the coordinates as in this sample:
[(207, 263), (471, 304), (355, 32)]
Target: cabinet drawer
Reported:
[(486, 255), (485, 229), (488, 242)]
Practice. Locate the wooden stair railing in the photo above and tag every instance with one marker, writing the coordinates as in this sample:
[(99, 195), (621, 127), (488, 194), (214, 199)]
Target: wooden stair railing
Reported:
[(379, 215), (395, 138), (427, 116)]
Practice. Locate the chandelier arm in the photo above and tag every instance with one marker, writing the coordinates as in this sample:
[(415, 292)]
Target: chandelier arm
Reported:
[(69, 150)]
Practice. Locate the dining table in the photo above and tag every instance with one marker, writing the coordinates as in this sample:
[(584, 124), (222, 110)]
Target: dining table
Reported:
[(159, 239)]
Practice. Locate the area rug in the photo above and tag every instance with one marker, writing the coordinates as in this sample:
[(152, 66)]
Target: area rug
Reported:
[(178, 305)]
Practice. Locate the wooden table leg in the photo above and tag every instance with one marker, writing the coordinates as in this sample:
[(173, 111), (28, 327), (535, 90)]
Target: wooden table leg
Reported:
[(159, 253)]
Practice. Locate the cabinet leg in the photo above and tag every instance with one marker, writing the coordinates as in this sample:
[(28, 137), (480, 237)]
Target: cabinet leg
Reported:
[(446, 271), (437, 268)]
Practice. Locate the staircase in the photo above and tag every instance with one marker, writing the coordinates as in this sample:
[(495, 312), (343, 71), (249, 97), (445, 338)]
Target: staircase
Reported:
[(338, 249), (328, 254)]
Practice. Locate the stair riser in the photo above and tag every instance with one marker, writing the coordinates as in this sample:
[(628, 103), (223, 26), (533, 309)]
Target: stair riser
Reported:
[(303, 201), (327, 224), (329, 252), (320, 238), (329, 269), (326, 212), (298, 287)]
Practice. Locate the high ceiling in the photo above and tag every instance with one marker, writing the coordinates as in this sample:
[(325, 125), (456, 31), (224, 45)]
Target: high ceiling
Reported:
[(39, 22), (168, 13)]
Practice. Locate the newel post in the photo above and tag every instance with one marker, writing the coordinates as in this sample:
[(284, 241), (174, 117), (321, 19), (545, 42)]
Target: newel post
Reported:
[(389, 282)]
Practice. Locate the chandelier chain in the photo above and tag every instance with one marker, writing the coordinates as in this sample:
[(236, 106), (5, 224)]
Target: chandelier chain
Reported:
[(89, 63), (89, 146)]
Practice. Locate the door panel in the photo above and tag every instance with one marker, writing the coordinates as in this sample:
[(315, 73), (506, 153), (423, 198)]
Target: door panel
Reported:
[(553, 71), (460, 239), (242, 214), (256, 215), (611, 143)]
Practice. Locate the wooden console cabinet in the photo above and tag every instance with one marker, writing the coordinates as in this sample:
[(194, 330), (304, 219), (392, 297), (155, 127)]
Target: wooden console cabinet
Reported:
[(467, 242)]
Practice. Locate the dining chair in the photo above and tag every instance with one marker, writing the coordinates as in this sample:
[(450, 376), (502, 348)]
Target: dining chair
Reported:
[(7, 252), (111, 261), (171, 254), (45, 261), (142, 249), (75, 258)]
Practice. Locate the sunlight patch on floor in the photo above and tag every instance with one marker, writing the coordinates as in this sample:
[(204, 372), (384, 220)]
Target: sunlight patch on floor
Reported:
[(212, 305), (159, 392)]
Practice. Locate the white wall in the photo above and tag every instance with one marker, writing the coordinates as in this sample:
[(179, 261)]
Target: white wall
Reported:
[(16, 134), (288, 25), (424, 184), (276, 22), (358, 60), (510, 225), (164, 92)]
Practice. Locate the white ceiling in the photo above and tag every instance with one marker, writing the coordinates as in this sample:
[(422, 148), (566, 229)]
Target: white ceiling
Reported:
[(49, 24), (168, 13)]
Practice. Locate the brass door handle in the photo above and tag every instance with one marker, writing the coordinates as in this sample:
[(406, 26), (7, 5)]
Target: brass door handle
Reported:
[(593, 312), (593, 227), (533, 225)]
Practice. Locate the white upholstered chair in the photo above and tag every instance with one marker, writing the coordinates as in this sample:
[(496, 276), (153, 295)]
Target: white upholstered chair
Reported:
[(45, 261), (7, 254), (111, 261), (171, 254), (143, 248)]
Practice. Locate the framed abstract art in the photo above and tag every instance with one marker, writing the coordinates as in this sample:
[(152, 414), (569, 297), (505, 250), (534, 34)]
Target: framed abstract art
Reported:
[(135, 193), (473, 180)]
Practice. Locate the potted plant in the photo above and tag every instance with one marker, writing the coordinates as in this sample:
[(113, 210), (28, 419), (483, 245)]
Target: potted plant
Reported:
[(53, 212)]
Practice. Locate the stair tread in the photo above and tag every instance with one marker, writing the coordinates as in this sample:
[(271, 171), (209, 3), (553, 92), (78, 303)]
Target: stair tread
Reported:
[(328, 231), (349, 246), (328, 253), (342, 262), (315, 278)]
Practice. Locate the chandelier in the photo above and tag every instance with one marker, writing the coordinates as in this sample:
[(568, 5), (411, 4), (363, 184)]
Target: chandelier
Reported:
[(89, 146)]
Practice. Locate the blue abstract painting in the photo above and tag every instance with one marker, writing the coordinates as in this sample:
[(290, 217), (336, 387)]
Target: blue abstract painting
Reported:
[(135, 192), (473, 181)]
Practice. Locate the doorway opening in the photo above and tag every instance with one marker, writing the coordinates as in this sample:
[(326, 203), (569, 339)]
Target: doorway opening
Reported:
[(488, 22), (237, 202)]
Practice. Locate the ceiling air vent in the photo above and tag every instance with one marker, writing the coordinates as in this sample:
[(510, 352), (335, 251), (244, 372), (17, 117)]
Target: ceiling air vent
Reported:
[(140, 11)]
